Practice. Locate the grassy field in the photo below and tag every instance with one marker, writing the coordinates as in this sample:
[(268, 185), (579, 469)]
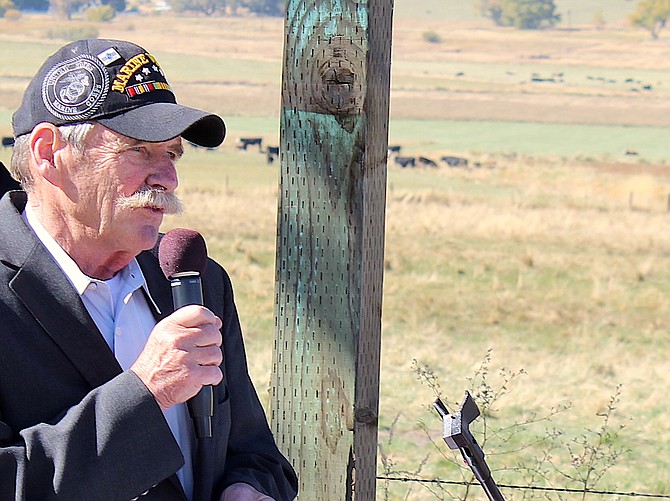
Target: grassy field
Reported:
[(551, 262), (545, 263), (573, 12)]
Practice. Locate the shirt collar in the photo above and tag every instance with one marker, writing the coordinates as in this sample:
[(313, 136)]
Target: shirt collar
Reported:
[(78, 278)]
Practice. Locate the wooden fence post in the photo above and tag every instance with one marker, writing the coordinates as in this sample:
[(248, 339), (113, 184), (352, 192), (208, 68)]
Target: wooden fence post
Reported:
[(330, 243)]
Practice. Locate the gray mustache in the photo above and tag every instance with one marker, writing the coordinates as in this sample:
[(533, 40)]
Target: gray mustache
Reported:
[(169, 203)]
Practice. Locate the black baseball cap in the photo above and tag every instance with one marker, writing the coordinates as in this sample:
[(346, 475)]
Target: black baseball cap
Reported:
[(118, 84)]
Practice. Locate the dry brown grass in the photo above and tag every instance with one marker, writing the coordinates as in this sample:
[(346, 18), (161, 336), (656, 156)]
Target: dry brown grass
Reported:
[(571, 289), (542, 262)]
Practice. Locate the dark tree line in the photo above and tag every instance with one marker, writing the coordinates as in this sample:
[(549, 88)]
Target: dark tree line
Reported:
[(523, 14), (65, 7), (213, 7), (208, 7)]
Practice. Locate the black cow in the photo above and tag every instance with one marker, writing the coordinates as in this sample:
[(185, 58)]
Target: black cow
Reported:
[(427, 162), (272, 153), (405, 161), (455, 161), (7, 141), (244, 142)]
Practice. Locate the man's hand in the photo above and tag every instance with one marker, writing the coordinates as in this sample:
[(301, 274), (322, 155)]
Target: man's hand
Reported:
[(243, 492), (182, 354)]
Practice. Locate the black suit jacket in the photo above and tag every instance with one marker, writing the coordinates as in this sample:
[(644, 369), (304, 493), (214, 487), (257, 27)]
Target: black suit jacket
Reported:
[(73, 424), (7, 182)]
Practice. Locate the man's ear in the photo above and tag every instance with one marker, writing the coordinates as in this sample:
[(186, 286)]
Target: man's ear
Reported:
[(45, 143)]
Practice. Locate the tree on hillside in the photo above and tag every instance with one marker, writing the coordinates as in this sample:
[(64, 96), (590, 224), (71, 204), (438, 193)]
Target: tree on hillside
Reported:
[(65, 8), (99, 13), (5, 5), (491, 9), (266, 7), (211, 7), (117, 5), (522, 14), (529, 14), (652, 15), (207, 7)]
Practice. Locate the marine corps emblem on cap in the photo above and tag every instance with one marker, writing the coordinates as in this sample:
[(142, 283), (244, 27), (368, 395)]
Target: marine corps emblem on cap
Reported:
[(74, 89), (141, 74)]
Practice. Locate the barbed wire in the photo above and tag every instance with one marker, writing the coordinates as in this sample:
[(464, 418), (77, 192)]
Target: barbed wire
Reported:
[(530, 487)]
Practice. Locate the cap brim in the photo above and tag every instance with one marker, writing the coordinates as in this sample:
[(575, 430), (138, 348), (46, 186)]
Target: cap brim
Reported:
[(158, 122)]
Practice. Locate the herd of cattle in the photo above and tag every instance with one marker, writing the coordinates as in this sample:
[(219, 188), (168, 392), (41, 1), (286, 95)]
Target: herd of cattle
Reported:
[(420, 161), (394, 156)]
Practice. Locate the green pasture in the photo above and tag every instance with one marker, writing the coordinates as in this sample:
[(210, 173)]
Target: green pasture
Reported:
[(437, 138), (493, 76), (22, 59), (433, 9), (573, 12), (565, 140), (212, 70), (582, 12)]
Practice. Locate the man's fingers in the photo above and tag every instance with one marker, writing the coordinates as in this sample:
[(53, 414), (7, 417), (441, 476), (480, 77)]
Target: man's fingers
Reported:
[(194, 315), (196, 327), (207, 355), (183, 354), (209, 375)]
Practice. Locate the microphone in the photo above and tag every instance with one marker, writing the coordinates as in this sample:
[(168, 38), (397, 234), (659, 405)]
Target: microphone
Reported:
[(182, 255)]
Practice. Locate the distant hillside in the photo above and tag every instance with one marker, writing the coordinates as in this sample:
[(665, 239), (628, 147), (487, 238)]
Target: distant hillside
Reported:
[(573, 12)]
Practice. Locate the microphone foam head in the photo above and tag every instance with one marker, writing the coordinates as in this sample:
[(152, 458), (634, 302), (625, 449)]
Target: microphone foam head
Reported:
[(182, 250)]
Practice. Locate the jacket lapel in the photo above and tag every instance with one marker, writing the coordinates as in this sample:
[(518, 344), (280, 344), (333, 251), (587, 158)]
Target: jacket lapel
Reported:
[(45, 291), (158, 285), (54, 303)]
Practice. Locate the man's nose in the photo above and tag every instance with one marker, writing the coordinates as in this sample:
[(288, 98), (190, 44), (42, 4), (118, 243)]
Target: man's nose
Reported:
[(164, 175)]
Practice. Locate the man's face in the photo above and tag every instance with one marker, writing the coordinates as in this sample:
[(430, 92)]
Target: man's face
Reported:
[(112, 168)]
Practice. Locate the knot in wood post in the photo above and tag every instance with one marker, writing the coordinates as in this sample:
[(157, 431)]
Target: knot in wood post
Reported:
[(336, 78)]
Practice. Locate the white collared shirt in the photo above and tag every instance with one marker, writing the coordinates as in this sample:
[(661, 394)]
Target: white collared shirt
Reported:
[(120, 310)]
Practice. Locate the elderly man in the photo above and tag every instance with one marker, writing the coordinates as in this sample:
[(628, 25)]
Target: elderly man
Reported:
[(95, 368)]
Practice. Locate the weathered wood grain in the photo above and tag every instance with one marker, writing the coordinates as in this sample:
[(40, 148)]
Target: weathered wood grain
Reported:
[(330, 243)]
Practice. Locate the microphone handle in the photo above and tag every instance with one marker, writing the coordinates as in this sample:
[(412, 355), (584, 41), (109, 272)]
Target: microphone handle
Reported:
[(187, 289)]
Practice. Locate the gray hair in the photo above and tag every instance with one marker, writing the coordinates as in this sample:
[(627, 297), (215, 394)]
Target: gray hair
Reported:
[(74, 135)]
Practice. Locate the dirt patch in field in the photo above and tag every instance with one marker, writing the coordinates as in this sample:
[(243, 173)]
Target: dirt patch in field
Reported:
[(632, 169), (531, 106)]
